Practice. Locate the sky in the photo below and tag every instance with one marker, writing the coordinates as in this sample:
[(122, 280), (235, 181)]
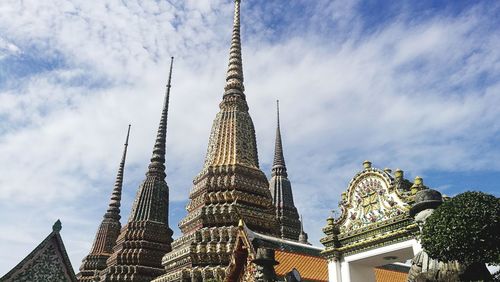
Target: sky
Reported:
[(405, 84)]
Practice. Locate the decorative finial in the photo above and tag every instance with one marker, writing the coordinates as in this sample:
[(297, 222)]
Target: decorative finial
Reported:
[(57, 226), (419, 180), (303, 235), (279, 166), (157, 165), (399, 174), (114, 204), (367, 164), (234, 77)]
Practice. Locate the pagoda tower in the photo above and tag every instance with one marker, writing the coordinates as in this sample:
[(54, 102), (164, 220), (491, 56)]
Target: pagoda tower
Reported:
[(281, 191), (147, 236), (230, 186), (108, 231)]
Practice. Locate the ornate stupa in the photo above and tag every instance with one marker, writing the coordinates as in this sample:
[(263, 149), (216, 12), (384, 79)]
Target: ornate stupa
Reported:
[(147, 236), (230, 187), (108, 231), (281, 190)]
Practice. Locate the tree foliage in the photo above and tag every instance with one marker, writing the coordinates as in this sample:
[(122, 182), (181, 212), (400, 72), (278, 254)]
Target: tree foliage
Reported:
[(466, 229)]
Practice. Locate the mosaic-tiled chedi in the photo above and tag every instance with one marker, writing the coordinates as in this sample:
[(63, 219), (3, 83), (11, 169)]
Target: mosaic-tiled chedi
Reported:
[(374, 212), (108, 231), (146, 237), (281, 191), (229, 187)]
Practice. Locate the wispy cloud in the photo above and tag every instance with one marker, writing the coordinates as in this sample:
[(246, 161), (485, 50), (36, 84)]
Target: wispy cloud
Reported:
[(416, 91)]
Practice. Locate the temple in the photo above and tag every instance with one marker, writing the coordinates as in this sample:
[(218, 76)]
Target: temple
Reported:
[(108, 231), (147, 236), (240, 226), (230, 187), (374, 233), (47, 262), (288, 256)]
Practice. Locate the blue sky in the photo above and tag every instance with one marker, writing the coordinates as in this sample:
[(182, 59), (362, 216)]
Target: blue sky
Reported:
[(410, 85)]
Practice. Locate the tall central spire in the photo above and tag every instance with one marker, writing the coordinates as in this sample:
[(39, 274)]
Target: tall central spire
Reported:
[(232, 140), (234, 77), (146, 237), (230, 186), (108, 231)]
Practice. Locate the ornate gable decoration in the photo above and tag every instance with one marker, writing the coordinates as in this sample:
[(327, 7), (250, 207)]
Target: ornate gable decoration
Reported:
[(374, 212), (370, 198), (47, 262)]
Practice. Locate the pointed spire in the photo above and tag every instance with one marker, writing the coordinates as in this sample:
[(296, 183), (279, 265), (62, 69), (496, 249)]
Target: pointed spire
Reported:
[(146, 237), (157, 165), (303, 235), (107, 233), (234, 77), (281, 190), (114, 204), (279, 166)]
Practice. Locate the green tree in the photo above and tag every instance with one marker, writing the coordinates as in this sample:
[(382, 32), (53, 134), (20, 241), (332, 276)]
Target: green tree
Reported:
[(465, 229)]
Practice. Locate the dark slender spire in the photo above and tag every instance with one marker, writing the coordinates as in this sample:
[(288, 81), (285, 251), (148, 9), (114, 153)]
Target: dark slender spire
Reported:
[(114, 204), (234, 77), (303, 235), (157, 165), (281, 191), (108, 231), (279, 160), (146, 237), (231, 169)]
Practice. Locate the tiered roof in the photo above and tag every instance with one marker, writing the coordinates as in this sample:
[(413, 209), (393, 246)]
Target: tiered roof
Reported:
[(306, 259)]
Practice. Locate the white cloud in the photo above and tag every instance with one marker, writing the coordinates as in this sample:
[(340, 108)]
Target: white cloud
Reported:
[(409, 95), (7, 49)]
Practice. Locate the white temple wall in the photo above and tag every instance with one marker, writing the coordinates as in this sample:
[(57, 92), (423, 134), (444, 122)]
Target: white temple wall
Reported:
[(359, 267)]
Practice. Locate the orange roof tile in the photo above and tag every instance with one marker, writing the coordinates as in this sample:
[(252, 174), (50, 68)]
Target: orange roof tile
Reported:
[(385, 275), (310, 267)]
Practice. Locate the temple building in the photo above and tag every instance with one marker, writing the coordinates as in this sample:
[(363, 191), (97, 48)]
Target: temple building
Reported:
[(375, 234), (288, 258), (230, 187), (47, 262), (240, 226)]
